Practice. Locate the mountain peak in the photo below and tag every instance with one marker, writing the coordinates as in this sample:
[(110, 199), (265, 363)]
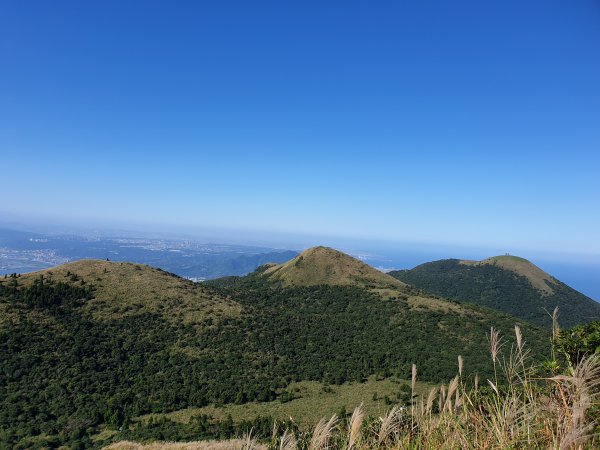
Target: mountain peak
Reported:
[(521, 266), (324, 265), (320, 251)]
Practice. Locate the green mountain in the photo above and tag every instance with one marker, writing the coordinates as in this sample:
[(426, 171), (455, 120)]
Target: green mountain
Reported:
[(91, 345), (506, 283)]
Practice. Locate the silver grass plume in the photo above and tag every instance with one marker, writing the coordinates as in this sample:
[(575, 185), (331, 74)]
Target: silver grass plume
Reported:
[(354, 426), (322, 433)]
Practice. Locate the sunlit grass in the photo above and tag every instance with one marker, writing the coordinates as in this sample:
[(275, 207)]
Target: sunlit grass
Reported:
[(313, 401)]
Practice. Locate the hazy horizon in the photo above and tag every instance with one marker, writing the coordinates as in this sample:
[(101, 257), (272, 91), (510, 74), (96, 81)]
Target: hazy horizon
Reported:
[(272, 238), (578, 270)]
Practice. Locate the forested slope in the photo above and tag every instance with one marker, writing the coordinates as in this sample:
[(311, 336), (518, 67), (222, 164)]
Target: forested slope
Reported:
[(94, 343), (509, 284)]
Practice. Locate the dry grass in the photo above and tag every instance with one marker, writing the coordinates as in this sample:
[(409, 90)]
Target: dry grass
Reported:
[(322, 434), (234, 444), (521, 413), (354, 427)]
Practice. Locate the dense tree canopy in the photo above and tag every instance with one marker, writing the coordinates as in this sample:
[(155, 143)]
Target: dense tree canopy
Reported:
[(63, 373)]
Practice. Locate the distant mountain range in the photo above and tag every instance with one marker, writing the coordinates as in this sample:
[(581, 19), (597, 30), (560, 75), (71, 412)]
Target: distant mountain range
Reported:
[(506, 283)]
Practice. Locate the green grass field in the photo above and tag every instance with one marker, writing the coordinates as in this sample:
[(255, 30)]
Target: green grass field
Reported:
[(314, 401)]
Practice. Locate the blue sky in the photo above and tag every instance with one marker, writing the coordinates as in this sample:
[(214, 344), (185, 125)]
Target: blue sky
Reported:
[(462, 123)]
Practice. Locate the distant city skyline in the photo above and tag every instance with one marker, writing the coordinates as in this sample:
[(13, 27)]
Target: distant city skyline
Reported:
[(460, 124)]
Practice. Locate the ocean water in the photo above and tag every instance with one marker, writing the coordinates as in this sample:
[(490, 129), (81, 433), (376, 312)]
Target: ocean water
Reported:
[(584, 277)]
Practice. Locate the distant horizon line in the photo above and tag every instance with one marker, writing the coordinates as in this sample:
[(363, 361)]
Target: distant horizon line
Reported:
[(286, 240)]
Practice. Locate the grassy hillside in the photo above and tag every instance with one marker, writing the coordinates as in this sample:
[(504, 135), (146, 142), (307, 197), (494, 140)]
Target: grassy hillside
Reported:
[(323, 265), (539, 279), (506, 283), (309, 401), (123, 290), (94, 344)]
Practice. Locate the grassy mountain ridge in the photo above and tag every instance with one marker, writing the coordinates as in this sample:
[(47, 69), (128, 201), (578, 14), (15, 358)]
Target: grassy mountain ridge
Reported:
[(121, 289), (522, 267), (505, 283)]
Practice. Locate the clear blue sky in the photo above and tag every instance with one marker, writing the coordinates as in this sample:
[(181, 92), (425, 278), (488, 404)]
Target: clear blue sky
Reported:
[(458, 122)]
